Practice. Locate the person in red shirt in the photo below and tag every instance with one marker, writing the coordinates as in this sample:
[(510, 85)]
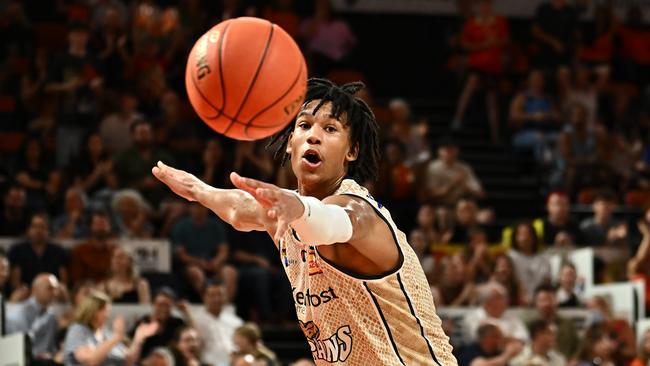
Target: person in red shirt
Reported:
[(485, 36), (634, 47)]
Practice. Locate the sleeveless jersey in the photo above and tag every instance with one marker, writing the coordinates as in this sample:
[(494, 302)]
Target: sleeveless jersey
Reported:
[(352, 319)]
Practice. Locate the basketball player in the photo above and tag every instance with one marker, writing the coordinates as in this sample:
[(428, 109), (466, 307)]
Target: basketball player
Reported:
[(360, 293)]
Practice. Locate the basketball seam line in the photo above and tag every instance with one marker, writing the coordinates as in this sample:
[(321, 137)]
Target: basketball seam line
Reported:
[(252, 83)]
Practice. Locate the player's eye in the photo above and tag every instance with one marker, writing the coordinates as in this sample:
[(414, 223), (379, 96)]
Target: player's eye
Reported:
[(330, 129), (303, 125)]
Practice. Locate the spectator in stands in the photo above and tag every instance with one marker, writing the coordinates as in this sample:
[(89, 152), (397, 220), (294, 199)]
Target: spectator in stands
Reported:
[(35, 318), (215, 324), (90, 260), (619, 329), (418, 241), (124, 285), (116, 128), (35, 173), (73, 222), (504, 273), (92, 170), (557, 229), (555, 30), (579, 163), (638, 268), (186, 347), (263, 285), (80, 291), (491, 348), (426, 225), (596, 46), (253, 161), (88, 341), (602, 228), (485, 36), (6, 290), (328, 39), (569, 293), (133, 166), (582, 92), (546, 310), (466, 221), (76, 81), (201, 250), (15, 214), (493, 298), (215, 164), (37, 255), (480, 264), (533, 268), (448, 178), (455, 287), (131, 214), (109, 40), (248, 340), (541, 350), (643, 355), (534, 119), (161, 314), (597, 348), (412, 134), (160, 356), (633, 36)]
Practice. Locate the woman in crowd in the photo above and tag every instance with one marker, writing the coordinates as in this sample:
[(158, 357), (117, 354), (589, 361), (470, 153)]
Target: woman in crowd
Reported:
[(124, 286), (597, 348), (505, 274), (248, 340), (186, 347), (132, 214), (89, 343), (533, 269)]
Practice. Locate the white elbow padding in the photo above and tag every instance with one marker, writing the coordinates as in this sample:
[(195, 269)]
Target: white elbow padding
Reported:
[(322, 224)]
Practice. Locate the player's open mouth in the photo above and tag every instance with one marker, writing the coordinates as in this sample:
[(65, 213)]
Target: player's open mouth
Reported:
[(311, 159)]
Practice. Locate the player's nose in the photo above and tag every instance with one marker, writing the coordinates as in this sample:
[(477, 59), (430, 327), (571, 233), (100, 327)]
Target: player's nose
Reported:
[(314, 137)]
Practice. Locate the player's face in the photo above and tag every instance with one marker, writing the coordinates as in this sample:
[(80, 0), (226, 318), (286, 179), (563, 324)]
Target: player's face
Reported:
[(320, 146)]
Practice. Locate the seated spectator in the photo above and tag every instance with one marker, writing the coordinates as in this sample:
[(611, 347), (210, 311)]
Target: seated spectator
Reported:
[(88, 341), (633, 37), (115, 128), (186, 347), (131, 214), (485, 36), (534, 119), (598, 348), (201, 250), (91, 259), (643, 355), (455, 287), (533, 268), (546, 310), (619, 329), (15, 214), (36, 174), (480, 263), (248, 340), (216, 165), (328, 39), (494, 303), (490, 348), (160, 356), (73, 222), (216, 325), (397, 180), (35, 318), (92, 170), (418, 241), (579, 163), (124, 286), (409, 134), (263, 285), (504, 273), (161, 314), (597, 44), (449, 179), (582, 92), (133, 166), (6, 290), (79, 292), (466, 221), (601, 227), (426, 225), (541, 350), (37, 255), (569, 291)]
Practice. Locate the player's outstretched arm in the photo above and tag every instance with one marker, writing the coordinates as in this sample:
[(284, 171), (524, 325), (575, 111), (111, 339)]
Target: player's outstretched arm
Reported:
[(234, 206)]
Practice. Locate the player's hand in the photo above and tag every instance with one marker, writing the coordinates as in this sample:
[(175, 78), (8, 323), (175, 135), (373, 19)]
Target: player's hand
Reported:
[(182, 183), (280, 205)]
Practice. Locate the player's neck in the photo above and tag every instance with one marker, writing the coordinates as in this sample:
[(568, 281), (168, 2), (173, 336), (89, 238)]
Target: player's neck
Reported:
[(320, 189)]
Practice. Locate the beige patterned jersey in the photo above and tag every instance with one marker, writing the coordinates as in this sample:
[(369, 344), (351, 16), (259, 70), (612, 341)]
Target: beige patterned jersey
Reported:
[(351, 319)]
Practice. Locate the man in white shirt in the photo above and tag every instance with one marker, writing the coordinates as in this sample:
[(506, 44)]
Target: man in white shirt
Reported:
[(540, 352), (494, 303), (216, 324)]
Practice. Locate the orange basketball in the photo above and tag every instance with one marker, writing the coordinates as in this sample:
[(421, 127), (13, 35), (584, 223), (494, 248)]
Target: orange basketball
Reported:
[(246, 78)]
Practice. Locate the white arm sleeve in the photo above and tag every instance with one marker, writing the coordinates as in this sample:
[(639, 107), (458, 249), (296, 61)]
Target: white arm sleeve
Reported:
[(322, 224)]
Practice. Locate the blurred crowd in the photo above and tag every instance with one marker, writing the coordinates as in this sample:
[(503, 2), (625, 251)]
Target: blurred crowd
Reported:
[(92, 96)]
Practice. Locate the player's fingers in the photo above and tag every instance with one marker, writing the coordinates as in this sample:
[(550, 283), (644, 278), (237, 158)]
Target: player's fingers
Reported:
[(239, 182)]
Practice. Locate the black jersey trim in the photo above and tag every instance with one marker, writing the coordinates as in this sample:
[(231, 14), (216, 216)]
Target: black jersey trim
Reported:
[(383, 319)]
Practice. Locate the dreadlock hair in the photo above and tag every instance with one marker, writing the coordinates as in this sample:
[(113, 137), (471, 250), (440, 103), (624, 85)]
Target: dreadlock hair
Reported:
[(364, 131)]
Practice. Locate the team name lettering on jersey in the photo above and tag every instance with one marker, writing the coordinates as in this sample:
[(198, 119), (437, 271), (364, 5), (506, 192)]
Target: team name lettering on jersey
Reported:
[(335, 348)]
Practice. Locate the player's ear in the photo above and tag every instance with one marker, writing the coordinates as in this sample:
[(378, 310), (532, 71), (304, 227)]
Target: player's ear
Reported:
[(353, 153), (288, 150)]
